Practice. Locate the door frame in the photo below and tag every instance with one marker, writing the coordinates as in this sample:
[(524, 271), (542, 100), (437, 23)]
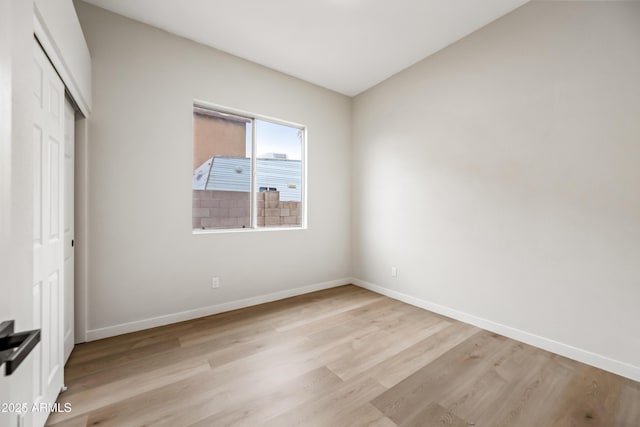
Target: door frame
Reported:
[(68, 330), (81, 187)]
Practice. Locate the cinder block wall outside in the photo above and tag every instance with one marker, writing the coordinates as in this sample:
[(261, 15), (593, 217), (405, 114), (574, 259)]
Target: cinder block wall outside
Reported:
[(272, 212), (230, 209), (220, 209)]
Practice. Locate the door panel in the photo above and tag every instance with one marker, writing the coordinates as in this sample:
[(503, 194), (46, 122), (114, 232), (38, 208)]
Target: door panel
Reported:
[(37, 193), (54, 189), (48, 243)]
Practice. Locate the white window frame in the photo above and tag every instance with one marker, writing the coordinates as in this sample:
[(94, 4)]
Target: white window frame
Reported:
[(197, 103)]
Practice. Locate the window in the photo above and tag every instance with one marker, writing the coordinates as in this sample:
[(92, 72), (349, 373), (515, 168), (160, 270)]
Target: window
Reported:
[(235, 153)]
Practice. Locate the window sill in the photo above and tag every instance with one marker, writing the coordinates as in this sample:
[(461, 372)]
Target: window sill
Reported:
[(247, 230)]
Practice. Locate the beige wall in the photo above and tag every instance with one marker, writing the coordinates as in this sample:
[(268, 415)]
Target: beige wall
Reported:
[(214, 136), (145, 265), (502, 177)]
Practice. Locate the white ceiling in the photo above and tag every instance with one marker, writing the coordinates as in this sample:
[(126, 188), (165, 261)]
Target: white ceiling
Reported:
[(344, 45)]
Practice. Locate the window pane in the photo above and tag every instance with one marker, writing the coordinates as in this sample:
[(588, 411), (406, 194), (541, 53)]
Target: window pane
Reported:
[(221, 170), (278, 174)]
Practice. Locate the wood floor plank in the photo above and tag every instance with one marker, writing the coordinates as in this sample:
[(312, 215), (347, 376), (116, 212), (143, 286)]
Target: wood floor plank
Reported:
[(111, 361), (302, 357), (485, 393), (590, 400), (340, 357), (86, 352), (380, 311), (87, 401), (80, 421), (398, 367), (434, 415), (627, 413), (467, 360), (541, 386), (366, 415), (378, 347), (332, 408), (255, 411), (210, 351), (322, 311)]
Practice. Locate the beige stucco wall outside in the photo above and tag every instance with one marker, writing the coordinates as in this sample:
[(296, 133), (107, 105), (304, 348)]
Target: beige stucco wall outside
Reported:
[(214, 136)]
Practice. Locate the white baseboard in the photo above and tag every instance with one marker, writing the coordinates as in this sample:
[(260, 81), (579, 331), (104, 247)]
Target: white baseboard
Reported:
[(139, 325), (584, 356)]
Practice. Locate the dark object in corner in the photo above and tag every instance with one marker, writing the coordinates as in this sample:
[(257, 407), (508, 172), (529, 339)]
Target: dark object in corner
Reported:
[(14, 348)]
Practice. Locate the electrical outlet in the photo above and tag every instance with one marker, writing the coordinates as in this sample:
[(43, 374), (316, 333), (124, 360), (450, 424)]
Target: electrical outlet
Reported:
[(394, 272), (215, 283)]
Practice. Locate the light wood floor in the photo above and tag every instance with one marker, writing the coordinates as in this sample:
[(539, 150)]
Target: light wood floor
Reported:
[(340, 357)]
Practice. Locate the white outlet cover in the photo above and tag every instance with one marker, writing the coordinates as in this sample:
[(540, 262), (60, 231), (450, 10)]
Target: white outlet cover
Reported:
[(215, 282), (394, 272)]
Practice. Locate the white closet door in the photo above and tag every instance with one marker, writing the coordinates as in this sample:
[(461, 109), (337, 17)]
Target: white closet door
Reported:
[(69, 261), (48, 291)]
